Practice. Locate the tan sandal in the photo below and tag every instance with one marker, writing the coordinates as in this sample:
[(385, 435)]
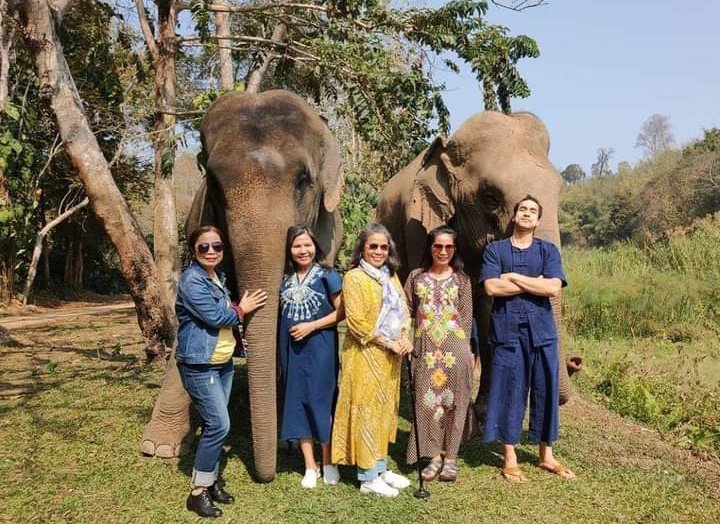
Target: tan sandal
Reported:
[(513, 475), (430, 471), (449, 471), (559, 470)]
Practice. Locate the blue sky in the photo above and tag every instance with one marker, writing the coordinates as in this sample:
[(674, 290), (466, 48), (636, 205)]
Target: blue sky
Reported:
[(605, 67)]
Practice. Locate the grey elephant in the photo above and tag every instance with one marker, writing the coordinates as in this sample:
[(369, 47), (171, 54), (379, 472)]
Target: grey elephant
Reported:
[(270, 162), (471, 182)]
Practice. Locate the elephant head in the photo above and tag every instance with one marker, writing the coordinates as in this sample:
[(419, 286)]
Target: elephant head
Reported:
[(270, 162), (471, 182)]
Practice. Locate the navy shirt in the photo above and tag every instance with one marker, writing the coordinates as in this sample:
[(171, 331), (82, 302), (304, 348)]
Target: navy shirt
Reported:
[(540, 258)]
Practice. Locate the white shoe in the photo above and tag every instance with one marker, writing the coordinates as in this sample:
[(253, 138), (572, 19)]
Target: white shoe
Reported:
[(331, 475), (309, 481), (378, 487), (394, 480)]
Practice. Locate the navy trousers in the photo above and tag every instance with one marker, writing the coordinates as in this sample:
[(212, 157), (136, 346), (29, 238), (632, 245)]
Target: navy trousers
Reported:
[(520, 369)]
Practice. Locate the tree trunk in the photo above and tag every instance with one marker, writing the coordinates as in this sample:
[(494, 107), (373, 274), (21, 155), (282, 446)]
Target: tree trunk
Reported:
[(40, 241), (165, 234), (6, 38), (255, 77), (72, 278), (222, 29), (136, 262)]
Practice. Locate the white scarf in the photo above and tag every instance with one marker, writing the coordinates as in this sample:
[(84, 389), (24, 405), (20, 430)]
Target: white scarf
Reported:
[(393, 313)]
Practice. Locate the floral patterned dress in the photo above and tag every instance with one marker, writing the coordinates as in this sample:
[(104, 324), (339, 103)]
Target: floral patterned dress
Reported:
[(442, 363)]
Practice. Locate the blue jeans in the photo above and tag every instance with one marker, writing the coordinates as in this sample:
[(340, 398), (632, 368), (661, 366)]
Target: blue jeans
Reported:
[(371, 474), (209, 387)]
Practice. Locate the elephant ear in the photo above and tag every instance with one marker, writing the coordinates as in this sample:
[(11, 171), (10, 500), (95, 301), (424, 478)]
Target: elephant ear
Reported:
[(331, 173), (432, 203)]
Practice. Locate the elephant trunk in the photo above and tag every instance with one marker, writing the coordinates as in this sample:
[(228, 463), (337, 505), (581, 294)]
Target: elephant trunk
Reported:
[(259, 260)]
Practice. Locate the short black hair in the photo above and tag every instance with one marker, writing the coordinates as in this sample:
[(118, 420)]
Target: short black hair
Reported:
[(528, 197), (192, 239)]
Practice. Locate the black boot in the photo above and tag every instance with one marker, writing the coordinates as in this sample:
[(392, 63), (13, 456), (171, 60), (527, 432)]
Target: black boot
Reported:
[(202, 504), (217, 494)]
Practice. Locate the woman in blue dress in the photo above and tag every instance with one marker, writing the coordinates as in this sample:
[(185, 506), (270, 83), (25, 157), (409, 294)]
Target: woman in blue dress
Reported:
[(311, 306)]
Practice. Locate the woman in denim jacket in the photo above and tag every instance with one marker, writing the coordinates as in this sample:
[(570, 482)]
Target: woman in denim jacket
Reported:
[(204, 352)]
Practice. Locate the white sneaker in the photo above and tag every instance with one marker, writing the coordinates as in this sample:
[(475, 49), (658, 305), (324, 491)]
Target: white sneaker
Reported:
[(378, 487), (331, 475), (394, 480), (309, 481)]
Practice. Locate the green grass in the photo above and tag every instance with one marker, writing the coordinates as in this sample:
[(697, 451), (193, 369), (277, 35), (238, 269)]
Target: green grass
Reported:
[(646, 320), (69, 453), (666, 289)]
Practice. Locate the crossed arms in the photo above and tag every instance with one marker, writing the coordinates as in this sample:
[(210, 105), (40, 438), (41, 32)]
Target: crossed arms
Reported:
[(511, 284)]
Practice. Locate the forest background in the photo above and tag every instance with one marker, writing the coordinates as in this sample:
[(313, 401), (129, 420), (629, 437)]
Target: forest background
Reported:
[(640, 241)]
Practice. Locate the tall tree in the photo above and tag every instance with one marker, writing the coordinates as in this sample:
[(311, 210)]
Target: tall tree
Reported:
[(161, 44), (655, 136), (39, 28), (573, 174), (601, 167)]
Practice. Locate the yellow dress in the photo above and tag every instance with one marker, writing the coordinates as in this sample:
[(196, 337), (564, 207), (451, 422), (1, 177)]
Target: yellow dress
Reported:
[(367, 408)]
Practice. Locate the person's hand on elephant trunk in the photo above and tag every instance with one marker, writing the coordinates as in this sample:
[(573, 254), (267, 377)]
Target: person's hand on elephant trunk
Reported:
[(574, 364), (252, 301)]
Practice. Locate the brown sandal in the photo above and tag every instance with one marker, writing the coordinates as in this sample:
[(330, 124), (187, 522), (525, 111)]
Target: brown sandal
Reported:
[(430, 471), (559, 470), (513, 475)]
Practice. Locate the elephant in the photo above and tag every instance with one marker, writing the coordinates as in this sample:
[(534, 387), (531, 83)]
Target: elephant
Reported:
[(471, 182), (270, 162)]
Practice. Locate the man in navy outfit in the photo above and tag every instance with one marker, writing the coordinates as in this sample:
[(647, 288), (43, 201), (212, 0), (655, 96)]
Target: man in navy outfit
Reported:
[(521, 273)]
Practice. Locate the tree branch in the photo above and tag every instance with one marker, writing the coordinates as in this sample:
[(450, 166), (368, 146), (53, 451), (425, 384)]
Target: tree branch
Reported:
[(37, 250), (255, 77), (520, 5), (147, 30)]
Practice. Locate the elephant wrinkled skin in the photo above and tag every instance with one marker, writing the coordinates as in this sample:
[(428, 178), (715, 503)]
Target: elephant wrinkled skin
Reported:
[(471, 182), (270, 162)]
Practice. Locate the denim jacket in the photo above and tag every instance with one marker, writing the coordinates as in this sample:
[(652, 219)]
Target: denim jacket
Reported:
[(202, 309)]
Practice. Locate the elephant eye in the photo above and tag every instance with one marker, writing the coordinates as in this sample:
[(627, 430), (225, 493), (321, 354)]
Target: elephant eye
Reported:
[(303, 179)]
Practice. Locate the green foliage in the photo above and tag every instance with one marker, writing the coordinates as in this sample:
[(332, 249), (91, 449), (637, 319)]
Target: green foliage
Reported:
[(41, 181), (629, 396), (672, 386), (572, 174), (666, 289), (645, 202)]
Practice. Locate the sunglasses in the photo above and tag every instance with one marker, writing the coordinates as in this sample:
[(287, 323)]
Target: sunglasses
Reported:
[(205, 247), (375, 247), (446, 247)]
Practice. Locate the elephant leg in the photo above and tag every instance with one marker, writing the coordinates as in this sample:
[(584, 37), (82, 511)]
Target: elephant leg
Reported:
[(170, 431), (482, 308)]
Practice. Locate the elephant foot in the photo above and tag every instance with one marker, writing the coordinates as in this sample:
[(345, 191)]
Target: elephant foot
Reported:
[(573, 364), (164, 440), (151, 448)]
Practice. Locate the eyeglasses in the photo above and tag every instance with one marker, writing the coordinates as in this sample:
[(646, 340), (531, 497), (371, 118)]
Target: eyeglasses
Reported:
[(375, 247), (446, 247), (205, 247)]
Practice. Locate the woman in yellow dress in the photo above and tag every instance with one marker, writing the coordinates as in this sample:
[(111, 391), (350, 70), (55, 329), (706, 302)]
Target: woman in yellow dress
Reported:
[(376, 340)]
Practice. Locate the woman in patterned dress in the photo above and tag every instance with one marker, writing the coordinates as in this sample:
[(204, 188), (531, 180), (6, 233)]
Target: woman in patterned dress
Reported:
[(440, 298), (308, 345), (376, 340)]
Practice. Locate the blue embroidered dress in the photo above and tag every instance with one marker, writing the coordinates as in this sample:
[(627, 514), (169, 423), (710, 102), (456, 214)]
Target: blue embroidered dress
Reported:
[(310, 366)]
